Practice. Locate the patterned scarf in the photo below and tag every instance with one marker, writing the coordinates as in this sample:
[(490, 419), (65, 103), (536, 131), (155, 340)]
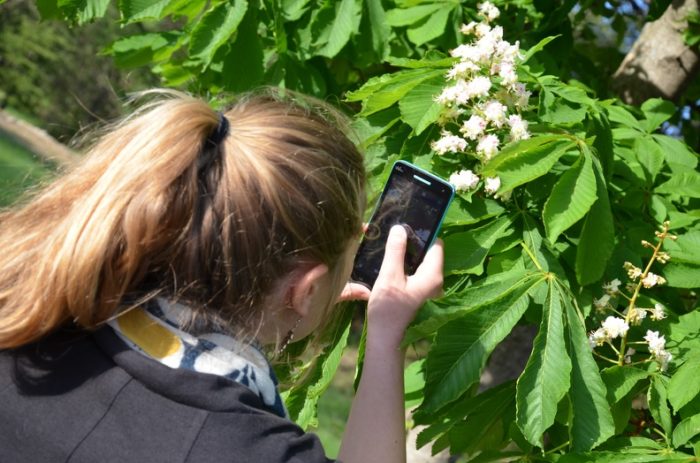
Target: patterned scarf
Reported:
[(154, 331)]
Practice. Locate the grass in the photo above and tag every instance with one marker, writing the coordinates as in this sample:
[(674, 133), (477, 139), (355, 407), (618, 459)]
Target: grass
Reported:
[(20, 169)]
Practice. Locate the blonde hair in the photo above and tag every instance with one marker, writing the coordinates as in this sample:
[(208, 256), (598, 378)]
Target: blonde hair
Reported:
[(142, 215)]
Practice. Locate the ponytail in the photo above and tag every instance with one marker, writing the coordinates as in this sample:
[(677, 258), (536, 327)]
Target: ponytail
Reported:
[(164, 204)]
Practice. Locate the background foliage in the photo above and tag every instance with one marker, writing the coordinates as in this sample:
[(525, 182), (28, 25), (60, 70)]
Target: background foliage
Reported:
[(595, 179)]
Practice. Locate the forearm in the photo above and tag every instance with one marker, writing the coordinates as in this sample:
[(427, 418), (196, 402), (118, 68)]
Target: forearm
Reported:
[(375, 431)]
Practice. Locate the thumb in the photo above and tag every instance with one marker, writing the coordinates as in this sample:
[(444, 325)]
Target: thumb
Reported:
[(393, 263)]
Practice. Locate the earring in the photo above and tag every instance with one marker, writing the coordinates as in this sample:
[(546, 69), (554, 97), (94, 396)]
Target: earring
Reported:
[(289, 337)]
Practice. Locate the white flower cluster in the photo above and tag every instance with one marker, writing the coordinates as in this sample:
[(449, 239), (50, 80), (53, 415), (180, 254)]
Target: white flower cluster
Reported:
[(483, 98), (611, 328), (657, 345)]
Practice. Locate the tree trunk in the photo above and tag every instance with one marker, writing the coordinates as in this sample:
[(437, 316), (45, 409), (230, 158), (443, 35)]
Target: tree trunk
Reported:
[(37, 140), (660, 63)]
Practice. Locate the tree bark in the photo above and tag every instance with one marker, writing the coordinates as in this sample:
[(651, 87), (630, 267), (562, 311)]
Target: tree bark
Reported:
[(37, 140), (660, 63)]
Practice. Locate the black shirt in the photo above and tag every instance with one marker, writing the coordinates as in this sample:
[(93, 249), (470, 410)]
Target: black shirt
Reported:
[(87, 397)]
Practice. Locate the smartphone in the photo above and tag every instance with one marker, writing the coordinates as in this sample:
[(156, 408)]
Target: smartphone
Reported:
[(414, 198)]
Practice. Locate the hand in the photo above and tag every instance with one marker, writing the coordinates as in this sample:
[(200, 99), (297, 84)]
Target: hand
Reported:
[(354, 292), (395, 297)]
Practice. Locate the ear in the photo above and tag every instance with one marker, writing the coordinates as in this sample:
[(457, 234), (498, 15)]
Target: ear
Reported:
[(305, 286)]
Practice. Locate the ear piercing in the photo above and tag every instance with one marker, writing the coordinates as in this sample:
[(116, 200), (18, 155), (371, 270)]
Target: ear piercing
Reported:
[(289, 337)]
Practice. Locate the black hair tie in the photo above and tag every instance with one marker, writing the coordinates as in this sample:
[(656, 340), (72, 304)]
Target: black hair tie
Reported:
[(221, 131), (211, 146)]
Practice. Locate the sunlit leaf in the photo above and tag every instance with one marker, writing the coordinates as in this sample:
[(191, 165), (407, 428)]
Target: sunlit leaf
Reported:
[(571, 198), (546, 377), (462, 346), (592, 422)]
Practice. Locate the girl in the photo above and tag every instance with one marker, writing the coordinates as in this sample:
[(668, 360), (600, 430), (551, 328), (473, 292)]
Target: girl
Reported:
[(138, 290)]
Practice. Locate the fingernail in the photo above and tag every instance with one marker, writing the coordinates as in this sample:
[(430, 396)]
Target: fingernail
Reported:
[(397, 232)]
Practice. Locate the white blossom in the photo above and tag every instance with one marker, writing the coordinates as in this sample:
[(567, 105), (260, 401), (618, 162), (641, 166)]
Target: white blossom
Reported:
[(462, 69), (612, 287), (615, 326), (482, 29), (602, 302), (468, 29), (657, 313), (597, 338), (487, 146), (449, 143), (522, 95), (656, 343), (464, 180), (488, 10), (651, 280), (657, 349), (492, 184), (637, 315), (473, 127), (457, 93), (479, 86), (633, 272), (467, 52), (507, 73), (518, 128), (495, 112), (664, 358)]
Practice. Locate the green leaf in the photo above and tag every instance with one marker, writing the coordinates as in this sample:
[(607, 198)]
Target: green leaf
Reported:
[(621, 116), (592, 422), (414, 381), (684, 385), (621, 380), (140, 10), (399, 17), (145, 49), (465, 252), (684, 184), (48, 9), (658, 403), (302, 399), (437, 313), (381, 92), (678, 155), (650, 156), (292, 10), (379, 28), (571, 198), (681, 275), (346, 23), (91, 10), (686, 248), (522, 162), (462, 346), (372, 127), (546, 377), (538, 47), (214, 29), (432, 27), (462, 212), (419, 108), (243, 65), (656, 111), (597, 239), (685, 430)]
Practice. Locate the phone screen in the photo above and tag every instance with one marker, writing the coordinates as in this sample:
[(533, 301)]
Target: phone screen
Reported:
[(413, 198)]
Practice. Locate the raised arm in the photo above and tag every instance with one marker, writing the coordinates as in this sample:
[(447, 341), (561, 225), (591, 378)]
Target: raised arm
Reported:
[(375, 430)]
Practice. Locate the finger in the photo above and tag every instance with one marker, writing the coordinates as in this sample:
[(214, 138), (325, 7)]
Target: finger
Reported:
[(429, 275), (354, 292), (394, 252)]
